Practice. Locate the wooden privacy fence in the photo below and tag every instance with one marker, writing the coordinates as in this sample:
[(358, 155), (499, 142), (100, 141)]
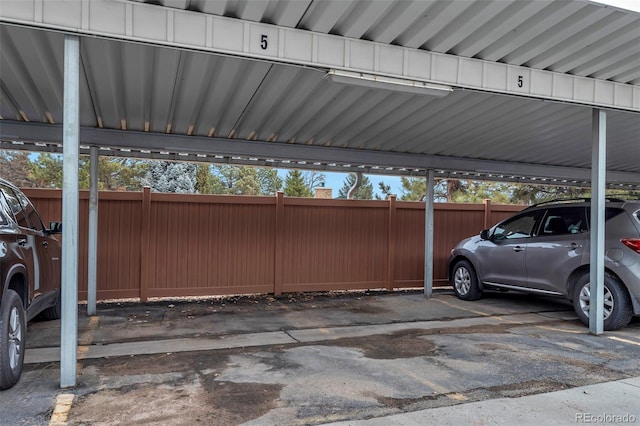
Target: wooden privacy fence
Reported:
[(171, 245)]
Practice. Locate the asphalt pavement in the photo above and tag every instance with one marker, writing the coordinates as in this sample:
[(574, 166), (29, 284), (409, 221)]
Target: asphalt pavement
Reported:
[(362, 359)]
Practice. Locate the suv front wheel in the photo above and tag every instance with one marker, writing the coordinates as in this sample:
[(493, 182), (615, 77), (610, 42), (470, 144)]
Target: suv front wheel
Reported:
[(617, 305), (12, 331), (465, 281)]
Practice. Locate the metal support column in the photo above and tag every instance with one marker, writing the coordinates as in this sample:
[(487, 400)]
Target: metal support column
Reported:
[(598, 180), (92, 278), (70, 207), (428, 235)]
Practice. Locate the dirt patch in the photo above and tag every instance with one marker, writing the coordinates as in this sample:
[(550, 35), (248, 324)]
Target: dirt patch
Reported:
[(472, 395), (528, 388), (591, 368), (495, 347), (177, 404), (158, 364), (186, 392), (230, 401), (390, 346), (367, 309), (199, 306), (138, 314)]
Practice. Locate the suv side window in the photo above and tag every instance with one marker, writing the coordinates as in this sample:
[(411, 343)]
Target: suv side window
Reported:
[(15, 206), (24, 212), (564, 220), (31, 212), (6, 216), (3, 220), (521, 226), (609, 213)]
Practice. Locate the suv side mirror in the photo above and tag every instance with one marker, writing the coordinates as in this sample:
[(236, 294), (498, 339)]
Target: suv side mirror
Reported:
[(484, 234), (55, 227)]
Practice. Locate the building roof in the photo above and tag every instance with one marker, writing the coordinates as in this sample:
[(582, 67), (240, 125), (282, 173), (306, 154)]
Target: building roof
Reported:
[(184, 79)]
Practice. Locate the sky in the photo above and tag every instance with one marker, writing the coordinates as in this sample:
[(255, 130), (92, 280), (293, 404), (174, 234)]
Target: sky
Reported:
[(335, 181), (624, 4)]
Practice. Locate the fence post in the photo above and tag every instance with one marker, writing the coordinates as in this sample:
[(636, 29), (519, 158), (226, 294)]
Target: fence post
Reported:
[(487, 213), (391, 253), (145, 235), (279, 244)]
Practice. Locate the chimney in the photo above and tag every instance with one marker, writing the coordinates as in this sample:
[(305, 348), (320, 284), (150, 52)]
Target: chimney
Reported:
[(322, 192)]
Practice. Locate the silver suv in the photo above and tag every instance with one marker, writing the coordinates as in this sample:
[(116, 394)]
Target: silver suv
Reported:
[(545, 250)]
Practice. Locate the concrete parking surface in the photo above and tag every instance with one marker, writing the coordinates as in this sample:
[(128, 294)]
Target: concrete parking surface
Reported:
[(356, 358)]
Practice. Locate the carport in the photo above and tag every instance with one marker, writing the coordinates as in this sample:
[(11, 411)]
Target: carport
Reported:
[(516, 91)]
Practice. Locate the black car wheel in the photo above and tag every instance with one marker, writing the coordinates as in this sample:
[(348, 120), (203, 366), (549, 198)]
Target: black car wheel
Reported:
[(53, 312), (12, 333), (465, 281), (617, 305)]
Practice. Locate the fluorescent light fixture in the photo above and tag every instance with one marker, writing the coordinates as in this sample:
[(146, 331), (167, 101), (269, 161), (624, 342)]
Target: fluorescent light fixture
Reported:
[(388, 83)]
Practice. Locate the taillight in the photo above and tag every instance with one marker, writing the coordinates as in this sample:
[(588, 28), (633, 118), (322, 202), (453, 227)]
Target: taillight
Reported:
[(632, 243)]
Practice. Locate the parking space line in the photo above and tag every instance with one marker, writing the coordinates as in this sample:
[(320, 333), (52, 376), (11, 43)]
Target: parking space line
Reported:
[(473, 311), (60, 414), (562, 330), (87, 336), (619, 339)]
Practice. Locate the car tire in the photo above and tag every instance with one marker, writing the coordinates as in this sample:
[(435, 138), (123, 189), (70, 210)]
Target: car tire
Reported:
[(617, 305), (12, 333), (53, 312), (465, 281)]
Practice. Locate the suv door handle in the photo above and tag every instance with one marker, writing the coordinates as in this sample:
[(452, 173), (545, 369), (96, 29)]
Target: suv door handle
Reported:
[(573, 246), (518, 249)]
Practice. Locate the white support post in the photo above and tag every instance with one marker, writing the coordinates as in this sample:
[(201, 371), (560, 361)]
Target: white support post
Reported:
[(428, 235), (598, 180), (92, 278), (70, 208)]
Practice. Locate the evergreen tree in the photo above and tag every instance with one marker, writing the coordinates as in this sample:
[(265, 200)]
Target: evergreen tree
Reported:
[(478, 191), (114, 174), (247, 183), (170, 176), (204, 181), (15, 167), (364, 192), (294, 185), (531, 194), (413, 189), (46, 171), (245, 180), (270, 182), (385, 190)]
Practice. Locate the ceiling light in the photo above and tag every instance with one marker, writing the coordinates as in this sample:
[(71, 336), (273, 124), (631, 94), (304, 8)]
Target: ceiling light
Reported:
[(388, 83)]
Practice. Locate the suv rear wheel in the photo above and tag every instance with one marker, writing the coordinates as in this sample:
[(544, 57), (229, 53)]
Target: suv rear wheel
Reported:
[(465, 281), (617, 305), (53, 312), (12, 331)]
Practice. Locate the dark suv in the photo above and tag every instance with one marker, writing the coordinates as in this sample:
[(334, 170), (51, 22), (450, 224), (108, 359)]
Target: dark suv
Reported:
[(545, 250), (29, 276)]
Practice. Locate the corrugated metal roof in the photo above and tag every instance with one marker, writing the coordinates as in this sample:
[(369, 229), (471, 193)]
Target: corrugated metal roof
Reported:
[(575, 37), (147, 88)]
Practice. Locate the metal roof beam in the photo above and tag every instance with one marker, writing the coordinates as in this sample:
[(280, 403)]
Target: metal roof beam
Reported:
[(251, 152)]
